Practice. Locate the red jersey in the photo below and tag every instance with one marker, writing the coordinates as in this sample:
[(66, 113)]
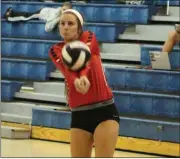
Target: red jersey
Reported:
[(99, 89)]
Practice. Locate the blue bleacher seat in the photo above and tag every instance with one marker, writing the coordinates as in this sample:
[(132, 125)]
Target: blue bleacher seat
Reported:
[(26, 48), (51, 118), (174, 56), (163, 2), (26, 69), (35, 30), (150, 129), (149, 2), (130, 14), (144, 80), (141, 103), (131, 127), (8, 88)]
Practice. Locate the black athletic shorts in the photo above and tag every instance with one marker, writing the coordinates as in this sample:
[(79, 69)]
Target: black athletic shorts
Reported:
[(89, 119)]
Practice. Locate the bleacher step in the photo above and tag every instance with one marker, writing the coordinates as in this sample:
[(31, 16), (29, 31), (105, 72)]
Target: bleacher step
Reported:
[(26, 88), (117, 56), (174, 11), (56, 88), (15, 118), (163, 15), (144, 32), (41, 96), (25, 108), (118, 65), (57, 74), (119, 48), (164, 18), (15, 133)]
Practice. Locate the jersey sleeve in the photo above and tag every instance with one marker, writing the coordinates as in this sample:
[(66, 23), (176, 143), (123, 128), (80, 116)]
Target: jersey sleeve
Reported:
[(93, 44), (54, 54), (95, 51)]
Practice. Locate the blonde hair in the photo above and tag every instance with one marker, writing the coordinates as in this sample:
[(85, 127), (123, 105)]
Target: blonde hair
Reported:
[(67, 4)]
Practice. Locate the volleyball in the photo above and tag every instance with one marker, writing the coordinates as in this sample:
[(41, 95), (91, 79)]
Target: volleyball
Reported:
[(75, 55)]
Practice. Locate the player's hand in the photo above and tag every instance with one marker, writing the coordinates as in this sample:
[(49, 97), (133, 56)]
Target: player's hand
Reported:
[(85, 84), (77, 84), (80, 87)]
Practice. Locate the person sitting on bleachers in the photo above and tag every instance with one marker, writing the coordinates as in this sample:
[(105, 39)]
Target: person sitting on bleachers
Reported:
[(130, 2), (47, 14), (173, 38)]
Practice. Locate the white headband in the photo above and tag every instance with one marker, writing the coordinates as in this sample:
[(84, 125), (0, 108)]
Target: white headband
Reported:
[(77, 14)]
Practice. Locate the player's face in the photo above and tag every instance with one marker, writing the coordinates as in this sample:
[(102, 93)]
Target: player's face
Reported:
[(68, 27)]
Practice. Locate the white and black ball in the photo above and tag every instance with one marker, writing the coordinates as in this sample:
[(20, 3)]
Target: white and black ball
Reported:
[(75, 55)]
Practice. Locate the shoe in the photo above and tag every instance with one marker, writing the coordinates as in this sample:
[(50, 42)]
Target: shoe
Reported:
[(8, 13)]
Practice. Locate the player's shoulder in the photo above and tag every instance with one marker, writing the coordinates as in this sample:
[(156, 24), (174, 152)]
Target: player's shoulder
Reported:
[(59, 45), (88, 33), (87, 37), (56, 48)]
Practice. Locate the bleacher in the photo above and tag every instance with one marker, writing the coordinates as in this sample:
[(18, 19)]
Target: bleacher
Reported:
[(148, 100)]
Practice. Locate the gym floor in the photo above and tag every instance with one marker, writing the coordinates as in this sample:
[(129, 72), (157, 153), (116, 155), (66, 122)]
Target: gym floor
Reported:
[(40, 148)]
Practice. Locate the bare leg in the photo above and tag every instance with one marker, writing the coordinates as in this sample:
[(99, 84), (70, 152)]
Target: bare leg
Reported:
[(81, 143), (16, 16), (105, 138), (171, 41)]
